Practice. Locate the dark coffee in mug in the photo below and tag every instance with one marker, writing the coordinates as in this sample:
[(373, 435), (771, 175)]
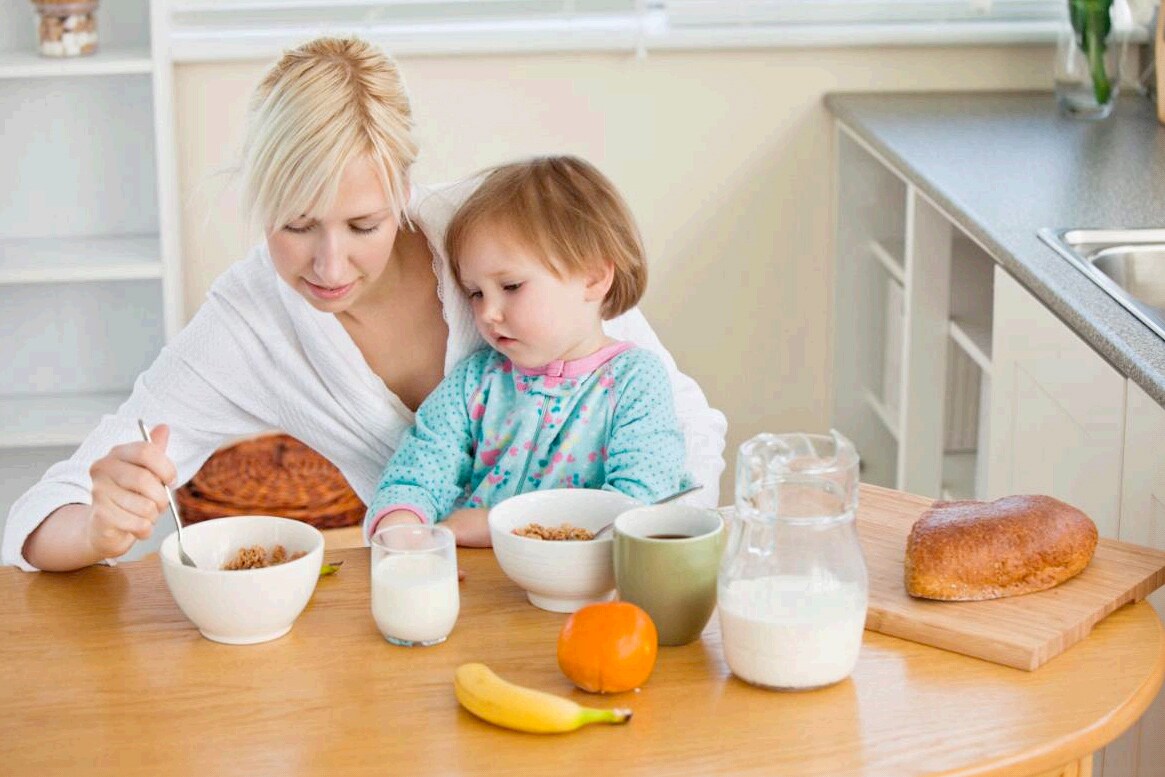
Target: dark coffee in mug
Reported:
[(670, 536)]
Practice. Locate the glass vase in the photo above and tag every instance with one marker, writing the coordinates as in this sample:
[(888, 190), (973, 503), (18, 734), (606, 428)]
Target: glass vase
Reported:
[(1086, 86)]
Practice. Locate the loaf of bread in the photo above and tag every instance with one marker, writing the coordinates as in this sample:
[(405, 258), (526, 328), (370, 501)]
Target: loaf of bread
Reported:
[(967, 551)]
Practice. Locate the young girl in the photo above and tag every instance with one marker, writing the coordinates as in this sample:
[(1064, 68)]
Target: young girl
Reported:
[(546, 250)]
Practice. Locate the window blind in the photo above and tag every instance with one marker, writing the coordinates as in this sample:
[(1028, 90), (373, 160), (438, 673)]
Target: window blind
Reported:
[(258, 29), (715, 13)]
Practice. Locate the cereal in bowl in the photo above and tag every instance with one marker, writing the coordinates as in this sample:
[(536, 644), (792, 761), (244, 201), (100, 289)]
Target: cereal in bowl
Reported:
[(257, 557), (537, 531)]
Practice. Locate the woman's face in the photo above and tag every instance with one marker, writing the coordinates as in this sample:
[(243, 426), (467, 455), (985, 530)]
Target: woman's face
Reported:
[(333, 259)]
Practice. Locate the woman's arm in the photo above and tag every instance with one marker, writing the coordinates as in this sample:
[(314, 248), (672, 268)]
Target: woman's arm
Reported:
[(704, 427), (201, 385), (61, 542)]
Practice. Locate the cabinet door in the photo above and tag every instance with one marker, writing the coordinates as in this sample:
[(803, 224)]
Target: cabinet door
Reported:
[(1057, 410), (1141, 751)]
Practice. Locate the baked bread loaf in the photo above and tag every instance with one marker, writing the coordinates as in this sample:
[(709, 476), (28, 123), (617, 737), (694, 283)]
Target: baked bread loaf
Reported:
[(968, 551)]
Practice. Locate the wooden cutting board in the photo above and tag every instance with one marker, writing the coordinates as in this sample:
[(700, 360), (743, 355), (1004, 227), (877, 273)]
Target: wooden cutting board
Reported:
[(1019, 631)]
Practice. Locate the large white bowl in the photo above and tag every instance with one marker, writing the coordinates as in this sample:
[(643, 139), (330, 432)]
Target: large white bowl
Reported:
[(559, 576), (244, 606)]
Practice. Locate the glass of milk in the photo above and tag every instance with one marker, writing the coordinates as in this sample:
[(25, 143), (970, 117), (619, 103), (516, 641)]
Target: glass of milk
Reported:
[(415, 600), (793, 587)]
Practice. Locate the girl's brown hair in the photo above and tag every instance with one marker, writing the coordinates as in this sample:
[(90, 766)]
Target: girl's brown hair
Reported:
[(566, 211)]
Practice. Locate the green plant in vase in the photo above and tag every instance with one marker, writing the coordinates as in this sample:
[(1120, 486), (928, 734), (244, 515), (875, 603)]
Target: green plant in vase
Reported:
[(1091, 21)]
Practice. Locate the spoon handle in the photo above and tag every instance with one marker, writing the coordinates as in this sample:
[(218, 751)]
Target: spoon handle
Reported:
[(678, 494), (169, 493)]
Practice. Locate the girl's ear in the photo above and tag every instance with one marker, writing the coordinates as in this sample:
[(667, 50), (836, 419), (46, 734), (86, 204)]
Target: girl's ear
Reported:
[(599, 282)]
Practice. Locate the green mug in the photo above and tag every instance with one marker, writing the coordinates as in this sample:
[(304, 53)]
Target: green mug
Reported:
[(666, 561)]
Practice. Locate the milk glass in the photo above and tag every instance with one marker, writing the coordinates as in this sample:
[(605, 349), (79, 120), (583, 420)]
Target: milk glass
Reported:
[(793, 585), (415, 600)]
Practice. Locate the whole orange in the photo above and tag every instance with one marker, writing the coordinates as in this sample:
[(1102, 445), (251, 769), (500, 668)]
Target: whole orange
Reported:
[(608, 647)]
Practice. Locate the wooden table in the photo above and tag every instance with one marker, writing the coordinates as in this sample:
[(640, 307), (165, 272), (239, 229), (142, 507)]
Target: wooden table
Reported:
[(102, 674)]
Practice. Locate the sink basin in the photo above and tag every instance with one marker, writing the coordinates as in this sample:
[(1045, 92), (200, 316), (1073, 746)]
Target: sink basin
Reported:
[(1129, 264)]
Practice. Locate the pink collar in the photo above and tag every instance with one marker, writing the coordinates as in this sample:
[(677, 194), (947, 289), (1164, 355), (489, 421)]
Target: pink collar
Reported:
[(578, 367)]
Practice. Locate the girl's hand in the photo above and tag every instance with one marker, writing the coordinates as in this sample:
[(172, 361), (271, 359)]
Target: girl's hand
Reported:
[(129, 494), (470, 526), (395, 518)]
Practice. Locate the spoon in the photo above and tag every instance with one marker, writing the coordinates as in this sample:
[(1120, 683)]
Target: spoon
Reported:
[(664, 500), (173, 507)]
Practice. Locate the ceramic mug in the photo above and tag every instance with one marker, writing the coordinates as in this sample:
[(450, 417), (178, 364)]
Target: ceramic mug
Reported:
[(666, 561)]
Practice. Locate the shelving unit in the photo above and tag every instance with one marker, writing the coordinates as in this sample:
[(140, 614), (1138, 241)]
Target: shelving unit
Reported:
[(108, 61), (871, 272), (914, 327), (89, 277), (61, 260), (890, 257)]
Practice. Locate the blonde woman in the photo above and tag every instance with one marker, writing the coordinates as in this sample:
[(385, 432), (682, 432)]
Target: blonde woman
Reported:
[(334, 329)]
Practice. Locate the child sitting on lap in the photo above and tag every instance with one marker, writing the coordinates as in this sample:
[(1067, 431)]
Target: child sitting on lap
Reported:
[(546, 250)]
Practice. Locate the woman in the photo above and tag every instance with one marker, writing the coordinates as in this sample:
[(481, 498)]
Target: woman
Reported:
[(334, 330)]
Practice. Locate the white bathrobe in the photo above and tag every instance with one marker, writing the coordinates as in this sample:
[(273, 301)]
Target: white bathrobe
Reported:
[(257, 357)]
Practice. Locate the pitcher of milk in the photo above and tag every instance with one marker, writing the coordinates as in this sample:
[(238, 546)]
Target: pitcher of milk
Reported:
[(793, 586)]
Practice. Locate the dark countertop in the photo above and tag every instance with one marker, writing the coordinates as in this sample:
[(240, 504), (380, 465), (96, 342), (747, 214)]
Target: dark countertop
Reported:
[(1005, 164)]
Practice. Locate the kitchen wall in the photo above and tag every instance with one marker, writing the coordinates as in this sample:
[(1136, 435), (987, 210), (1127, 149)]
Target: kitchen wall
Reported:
[(725, 158)]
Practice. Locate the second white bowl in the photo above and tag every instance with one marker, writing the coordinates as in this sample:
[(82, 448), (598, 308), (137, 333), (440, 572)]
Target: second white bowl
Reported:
[(560, 576)]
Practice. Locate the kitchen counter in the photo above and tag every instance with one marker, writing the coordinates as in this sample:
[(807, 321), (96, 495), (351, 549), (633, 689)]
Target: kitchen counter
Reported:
[(1003, 165), (103, 675)]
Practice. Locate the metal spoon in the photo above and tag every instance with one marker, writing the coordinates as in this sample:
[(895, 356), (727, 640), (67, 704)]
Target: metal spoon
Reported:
[(173, 506), (668, 498)]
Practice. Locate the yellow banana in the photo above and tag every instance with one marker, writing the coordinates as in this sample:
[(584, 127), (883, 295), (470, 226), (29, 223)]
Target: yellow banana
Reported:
[(503, 703)]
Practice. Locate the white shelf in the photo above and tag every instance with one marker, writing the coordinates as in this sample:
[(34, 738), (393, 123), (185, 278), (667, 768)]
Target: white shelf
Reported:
[(959, 475), (974, 337), (107, 61), (53, 260), (972, 271), (889, 254), (882, 412), (46, 420)]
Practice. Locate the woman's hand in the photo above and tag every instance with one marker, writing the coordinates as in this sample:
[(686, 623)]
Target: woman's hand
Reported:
[(470, 526), (129, 494)]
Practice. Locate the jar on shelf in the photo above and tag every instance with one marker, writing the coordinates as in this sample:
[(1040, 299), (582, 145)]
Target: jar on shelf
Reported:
[(67, 29)]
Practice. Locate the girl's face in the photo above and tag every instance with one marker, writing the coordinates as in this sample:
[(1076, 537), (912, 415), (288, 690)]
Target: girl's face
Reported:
[(522, 309), (332, 259)]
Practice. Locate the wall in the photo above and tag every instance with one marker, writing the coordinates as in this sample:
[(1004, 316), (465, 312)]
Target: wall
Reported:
[(725, 158)]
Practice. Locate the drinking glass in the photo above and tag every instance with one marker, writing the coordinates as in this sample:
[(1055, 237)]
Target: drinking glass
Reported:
[(415, 600)]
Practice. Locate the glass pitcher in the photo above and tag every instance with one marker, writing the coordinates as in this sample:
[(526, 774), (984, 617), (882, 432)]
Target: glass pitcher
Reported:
[(793, 586)]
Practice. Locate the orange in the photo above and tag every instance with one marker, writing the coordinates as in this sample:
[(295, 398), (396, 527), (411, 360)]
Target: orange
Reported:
[(608, 647)]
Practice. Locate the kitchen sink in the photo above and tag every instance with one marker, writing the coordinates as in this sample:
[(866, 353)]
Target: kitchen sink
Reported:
[(1129, 264)]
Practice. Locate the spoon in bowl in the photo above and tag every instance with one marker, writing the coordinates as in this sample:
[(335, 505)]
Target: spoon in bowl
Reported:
[(185, 559), (664, 500)]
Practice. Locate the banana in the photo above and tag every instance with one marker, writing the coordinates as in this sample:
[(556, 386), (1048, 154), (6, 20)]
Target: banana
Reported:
[(503, 703)]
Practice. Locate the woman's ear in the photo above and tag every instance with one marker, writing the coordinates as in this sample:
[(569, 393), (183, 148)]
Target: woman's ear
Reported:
[(599, 280)]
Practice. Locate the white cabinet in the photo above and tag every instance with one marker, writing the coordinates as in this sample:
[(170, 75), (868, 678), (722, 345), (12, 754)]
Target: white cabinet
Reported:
[(954, 381), (1057, 411), (912, 352), (1141, 751), (89, 279)]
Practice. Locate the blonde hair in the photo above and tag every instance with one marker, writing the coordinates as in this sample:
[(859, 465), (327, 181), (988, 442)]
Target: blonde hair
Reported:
[(568, 213), (320, 106)]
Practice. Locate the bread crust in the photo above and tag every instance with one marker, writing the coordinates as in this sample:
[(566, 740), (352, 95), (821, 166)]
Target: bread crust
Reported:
[(969, 551)]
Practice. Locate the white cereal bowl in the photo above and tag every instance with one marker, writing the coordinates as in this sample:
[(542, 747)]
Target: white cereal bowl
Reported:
[(560, 576), (244, 606)]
